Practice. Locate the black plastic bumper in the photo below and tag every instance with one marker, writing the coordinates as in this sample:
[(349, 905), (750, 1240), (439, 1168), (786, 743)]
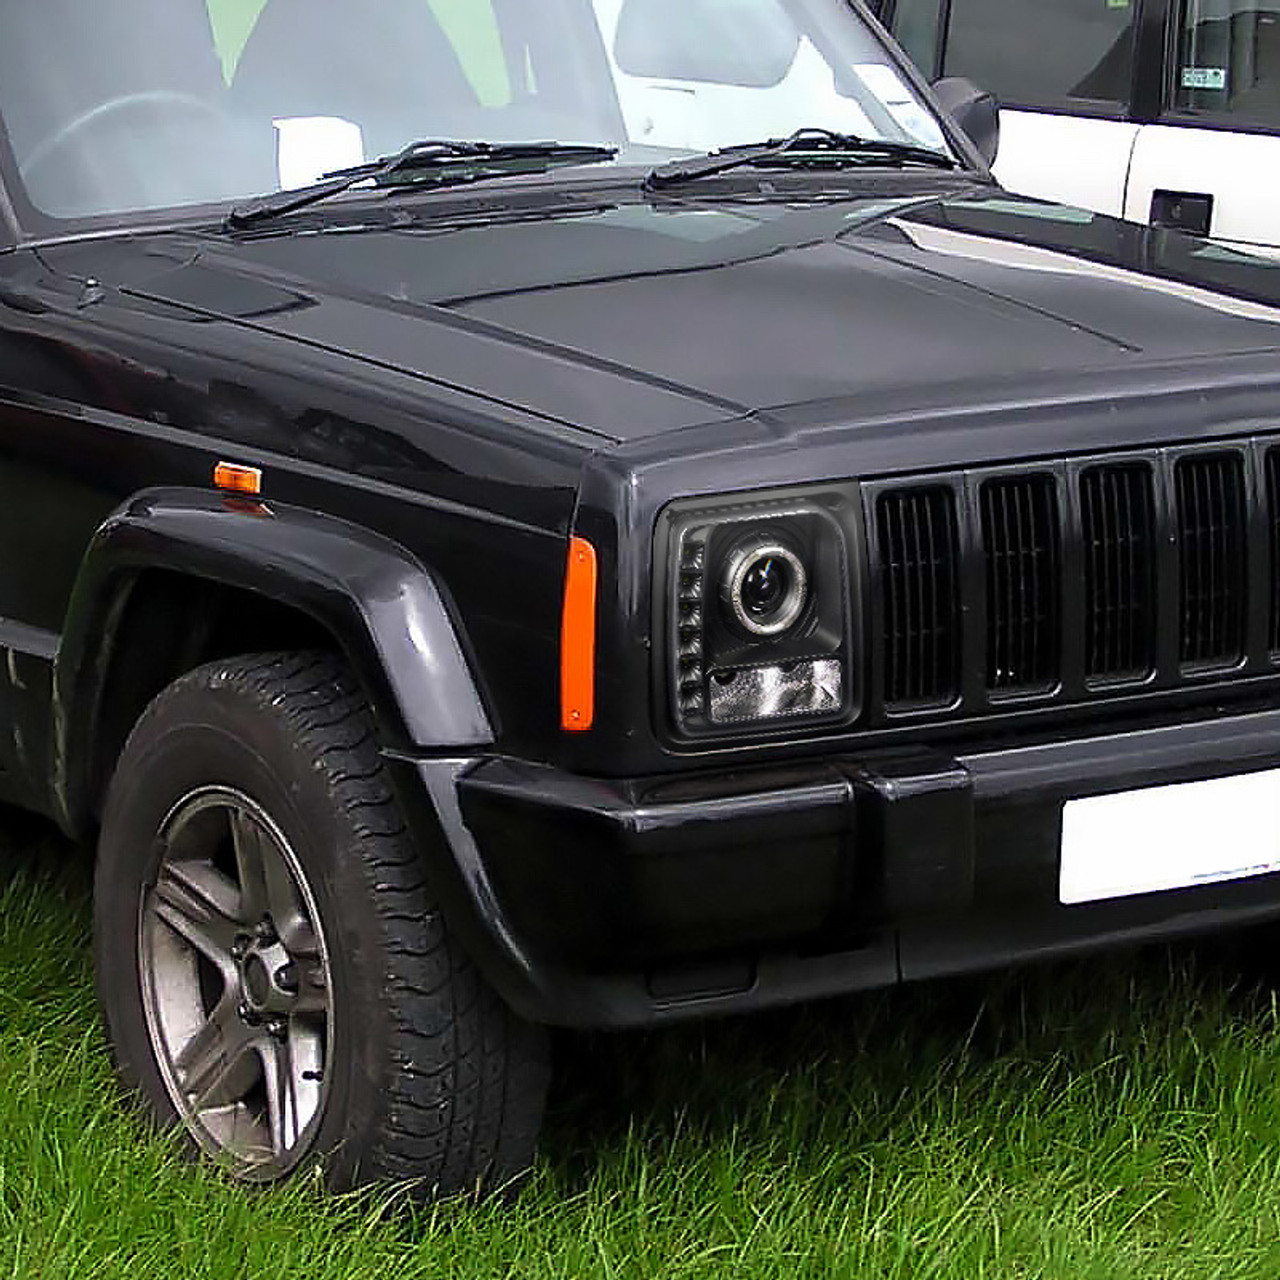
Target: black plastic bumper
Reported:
[(604, 874), (619, 903)]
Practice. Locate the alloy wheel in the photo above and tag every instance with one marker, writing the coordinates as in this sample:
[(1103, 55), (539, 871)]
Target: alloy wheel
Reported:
[(235, 982)]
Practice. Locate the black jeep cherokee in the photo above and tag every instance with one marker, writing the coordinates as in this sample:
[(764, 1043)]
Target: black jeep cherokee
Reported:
[(594, 512)]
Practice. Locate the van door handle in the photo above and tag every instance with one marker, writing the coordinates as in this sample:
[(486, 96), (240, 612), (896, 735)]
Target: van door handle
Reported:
[(1182, 211)]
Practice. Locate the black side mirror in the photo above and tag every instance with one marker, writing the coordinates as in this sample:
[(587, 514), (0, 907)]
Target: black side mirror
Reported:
[(976, 112)]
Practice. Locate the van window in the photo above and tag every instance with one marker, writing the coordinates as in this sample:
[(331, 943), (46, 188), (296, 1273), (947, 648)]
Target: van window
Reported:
[(1029, 54), (1229, 60)]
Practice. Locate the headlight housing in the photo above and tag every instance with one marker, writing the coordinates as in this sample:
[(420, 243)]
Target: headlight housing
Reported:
[(756, 613)]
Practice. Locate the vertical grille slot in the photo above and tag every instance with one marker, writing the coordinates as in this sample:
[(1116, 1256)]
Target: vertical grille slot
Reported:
[(1211, 533), (1117, 519), (1273, 525), (919, 554), (1020, 540)]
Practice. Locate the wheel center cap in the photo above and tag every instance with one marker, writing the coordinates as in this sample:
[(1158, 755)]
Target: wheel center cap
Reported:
[(267, 979), (256, 981)]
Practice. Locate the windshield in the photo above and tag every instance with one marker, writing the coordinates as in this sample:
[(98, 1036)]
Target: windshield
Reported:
[(126, 105)]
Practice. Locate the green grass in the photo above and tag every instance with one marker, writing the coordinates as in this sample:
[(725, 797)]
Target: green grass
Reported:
[(1115, 1118)]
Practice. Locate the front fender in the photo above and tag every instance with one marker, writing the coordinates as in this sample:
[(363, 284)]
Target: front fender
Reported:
[(381, 605)]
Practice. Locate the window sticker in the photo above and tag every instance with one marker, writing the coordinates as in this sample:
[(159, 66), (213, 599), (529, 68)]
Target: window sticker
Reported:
[(1204, 77)]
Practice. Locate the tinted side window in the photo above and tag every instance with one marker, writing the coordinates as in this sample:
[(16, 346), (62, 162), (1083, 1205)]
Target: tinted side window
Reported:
[(1047, 52), (1230, 59)]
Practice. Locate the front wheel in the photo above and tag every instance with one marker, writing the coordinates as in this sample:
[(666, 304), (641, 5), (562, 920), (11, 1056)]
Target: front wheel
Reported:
[(274, 974)]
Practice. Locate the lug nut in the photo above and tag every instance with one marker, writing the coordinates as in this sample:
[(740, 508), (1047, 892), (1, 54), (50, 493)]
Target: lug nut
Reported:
[(239, 947), (247, 1014), (277, 1028), (266, 930)]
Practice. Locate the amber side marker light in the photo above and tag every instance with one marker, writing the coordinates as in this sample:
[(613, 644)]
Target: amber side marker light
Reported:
[(234, 478), (578, 639)]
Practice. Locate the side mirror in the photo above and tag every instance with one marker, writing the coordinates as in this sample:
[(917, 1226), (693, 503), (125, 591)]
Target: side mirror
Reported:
[(976, 112)]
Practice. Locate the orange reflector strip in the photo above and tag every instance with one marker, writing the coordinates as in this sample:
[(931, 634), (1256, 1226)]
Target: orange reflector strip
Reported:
[(578, 639), (237, 479)]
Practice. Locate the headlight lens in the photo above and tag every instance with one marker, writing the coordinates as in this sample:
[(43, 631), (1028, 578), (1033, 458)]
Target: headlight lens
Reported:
[(765, 585), (756, 613)]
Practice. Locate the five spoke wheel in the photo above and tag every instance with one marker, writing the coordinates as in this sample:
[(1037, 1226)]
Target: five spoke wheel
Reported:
[(235, 982)]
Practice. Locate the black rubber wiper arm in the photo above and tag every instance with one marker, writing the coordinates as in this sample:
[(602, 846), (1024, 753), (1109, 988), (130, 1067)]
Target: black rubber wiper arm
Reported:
[(437, 161), (806, 148)]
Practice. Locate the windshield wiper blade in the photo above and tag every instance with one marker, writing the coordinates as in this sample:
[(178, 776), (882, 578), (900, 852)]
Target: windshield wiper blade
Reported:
[(806, 148), (433, 161)]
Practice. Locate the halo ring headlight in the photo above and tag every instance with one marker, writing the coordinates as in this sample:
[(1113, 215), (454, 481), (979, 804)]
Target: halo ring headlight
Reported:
[(765, 586)]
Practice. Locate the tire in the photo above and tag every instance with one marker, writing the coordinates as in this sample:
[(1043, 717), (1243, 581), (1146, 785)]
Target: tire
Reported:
[(274, 975)]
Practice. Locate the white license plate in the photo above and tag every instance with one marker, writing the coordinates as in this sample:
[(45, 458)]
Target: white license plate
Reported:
[(1171, 837)]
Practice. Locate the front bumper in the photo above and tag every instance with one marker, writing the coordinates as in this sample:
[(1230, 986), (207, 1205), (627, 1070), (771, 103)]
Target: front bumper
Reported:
[(605, 903)]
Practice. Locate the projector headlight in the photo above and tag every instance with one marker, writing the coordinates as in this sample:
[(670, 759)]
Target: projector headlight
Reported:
[(765, 585), (757, 614)]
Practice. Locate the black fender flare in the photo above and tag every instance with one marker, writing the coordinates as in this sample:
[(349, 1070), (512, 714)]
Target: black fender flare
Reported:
[(383, 607)]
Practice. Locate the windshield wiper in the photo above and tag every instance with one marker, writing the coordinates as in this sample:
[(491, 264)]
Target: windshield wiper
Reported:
[(809, 148), (432, 161)]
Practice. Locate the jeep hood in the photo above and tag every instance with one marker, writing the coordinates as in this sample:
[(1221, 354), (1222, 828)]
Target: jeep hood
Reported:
[(629, 318)]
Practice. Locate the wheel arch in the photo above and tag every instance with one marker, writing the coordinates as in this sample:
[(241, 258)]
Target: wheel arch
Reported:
[(175, 578)]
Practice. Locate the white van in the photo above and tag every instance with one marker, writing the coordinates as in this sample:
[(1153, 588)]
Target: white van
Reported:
[(1161, 111)]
